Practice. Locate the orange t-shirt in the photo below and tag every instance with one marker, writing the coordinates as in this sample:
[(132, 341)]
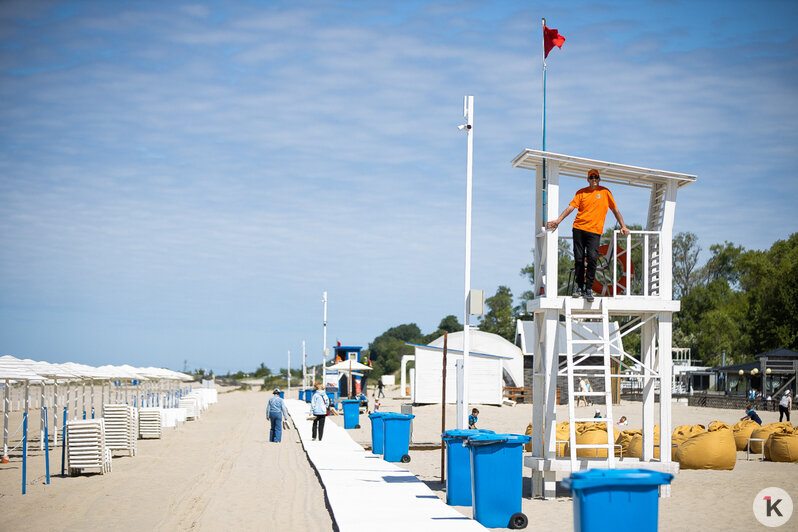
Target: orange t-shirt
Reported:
[(592, 205)]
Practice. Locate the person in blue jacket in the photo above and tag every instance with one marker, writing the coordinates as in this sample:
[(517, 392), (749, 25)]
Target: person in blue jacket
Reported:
[(473, 418), (275, 411), (751, 414), (319, 404)]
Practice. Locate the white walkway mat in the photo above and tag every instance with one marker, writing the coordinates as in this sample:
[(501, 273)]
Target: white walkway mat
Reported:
[(363, 489)]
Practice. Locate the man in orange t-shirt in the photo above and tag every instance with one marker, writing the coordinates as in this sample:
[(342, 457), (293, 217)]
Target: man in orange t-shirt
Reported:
[(591, 203)]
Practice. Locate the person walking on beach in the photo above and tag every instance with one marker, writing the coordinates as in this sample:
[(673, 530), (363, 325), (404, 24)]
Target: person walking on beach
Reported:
[(583, 389), (275, 411), (591, 203), (380, 387), (319, 404), (785, 405), (751, 414)]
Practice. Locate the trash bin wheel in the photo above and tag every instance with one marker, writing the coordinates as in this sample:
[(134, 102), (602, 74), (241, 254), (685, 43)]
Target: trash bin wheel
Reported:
[(357, 426), (405, 459), (518, 521)]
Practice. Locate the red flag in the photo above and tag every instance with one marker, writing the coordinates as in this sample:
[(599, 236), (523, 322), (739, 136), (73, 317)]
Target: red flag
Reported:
[(551, 38)]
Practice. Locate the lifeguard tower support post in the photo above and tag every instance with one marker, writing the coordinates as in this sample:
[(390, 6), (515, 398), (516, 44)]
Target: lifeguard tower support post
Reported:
[(646, 297)]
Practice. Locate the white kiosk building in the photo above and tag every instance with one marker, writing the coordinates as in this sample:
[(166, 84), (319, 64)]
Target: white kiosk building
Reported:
[(640, 291)]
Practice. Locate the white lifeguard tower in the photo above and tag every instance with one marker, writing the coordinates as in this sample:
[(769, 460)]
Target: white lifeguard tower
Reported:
[(641, 291)]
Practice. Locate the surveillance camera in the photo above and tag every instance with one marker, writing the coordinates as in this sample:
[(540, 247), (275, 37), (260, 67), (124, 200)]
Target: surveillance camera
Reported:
[(464, 126)]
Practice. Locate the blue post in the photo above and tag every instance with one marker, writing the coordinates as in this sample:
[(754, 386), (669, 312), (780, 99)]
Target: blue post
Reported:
[(46, 447), (92, 412), (63, 442), (24, 449), (84, 414)]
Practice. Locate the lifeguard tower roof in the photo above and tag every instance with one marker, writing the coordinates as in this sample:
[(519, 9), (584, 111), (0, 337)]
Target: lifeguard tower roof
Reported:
[(610, 172)]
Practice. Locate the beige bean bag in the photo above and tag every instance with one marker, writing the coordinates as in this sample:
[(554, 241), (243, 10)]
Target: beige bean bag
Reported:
[(782, 446), (764, 433), (714, 449), (528, 432), (593, 435), (624, 439), (717, 425), (683, 433), (636, 445), (742, 431)]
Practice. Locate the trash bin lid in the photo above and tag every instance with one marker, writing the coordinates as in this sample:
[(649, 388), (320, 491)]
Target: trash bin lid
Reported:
[(594, 478), (378, 414), (396, 415), (491, 439), (350, 401), (463, 434)]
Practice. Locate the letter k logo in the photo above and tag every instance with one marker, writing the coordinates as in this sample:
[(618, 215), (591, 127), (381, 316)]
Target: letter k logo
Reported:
[(772, 506)]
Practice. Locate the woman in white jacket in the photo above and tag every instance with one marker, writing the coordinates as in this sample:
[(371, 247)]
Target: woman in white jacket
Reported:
[(318, 407)]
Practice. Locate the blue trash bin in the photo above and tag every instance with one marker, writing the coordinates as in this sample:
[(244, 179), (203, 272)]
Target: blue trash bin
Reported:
[(633, 493), (377, 432), (333, 397), (458, 465), (497, 479), (351, 413), (301, 394), (396, 437), (282, 394), (308, 395)]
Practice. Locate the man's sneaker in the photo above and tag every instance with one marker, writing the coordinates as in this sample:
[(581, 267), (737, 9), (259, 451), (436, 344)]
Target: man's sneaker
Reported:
[(577, 292), (589, 295)]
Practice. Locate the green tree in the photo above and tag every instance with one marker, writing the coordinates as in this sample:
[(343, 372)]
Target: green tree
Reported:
[(500, 318), (770, 280), (262, 371), (448, 324), (685, 259), (723, 263), (387, 350)]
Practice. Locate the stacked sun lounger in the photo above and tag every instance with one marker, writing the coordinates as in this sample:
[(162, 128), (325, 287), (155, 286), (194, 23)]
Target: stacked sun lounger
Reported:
[(86, 448), (192, 406), (172, 417), (121, 430), (150, 423)]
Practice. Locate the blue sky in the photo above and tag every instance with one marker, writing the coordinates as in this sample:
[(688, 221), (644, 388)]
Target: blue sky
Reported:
[(182, 181)]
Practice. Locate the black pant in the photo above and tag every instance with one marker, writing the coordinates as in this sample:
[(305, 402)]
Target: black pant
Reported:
[(784, 411), (318, 423), (585, 246)]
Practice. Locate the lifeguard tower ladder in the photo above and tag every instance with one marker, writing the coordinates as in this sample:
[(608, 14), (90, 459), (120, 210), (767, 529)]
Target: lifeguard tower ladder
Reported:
[(646, 297)]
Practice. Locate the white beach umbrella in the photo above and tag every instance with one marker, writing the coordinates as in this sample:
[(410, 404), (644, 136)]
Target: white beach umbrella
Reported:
[(349, 365), (15, 369)]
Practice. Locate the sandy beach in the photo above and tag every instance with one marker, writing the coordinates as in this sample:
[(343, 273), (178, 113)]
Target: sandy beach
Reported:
[(221, 473), (218, 473), (710, 500)]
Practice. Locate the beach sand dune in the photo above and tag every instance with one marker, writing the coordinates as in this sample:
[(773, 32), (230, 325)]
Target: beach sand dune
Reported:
[(218, 473)]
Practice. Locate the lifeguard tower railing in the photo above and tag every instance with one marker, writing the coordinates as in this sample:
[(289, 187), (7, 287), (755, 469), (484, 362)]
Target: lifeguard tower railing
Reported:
[(627, 266)]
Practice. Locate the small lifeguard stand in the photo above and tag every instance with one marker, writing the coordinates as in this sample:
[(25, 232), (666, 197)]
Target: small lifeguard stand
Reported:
[(646, 296)]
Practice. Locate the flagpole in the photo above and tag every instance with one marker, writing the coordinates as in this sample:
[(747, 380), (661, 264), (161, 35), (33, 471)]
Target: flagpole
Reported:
[(545, 181)]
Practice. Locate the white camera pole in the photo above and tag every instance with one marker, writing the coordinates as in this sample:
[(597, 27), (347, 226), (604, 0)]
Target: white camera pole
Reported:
[(324, 343), (462, 400), (288, 372), (304, 367)]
